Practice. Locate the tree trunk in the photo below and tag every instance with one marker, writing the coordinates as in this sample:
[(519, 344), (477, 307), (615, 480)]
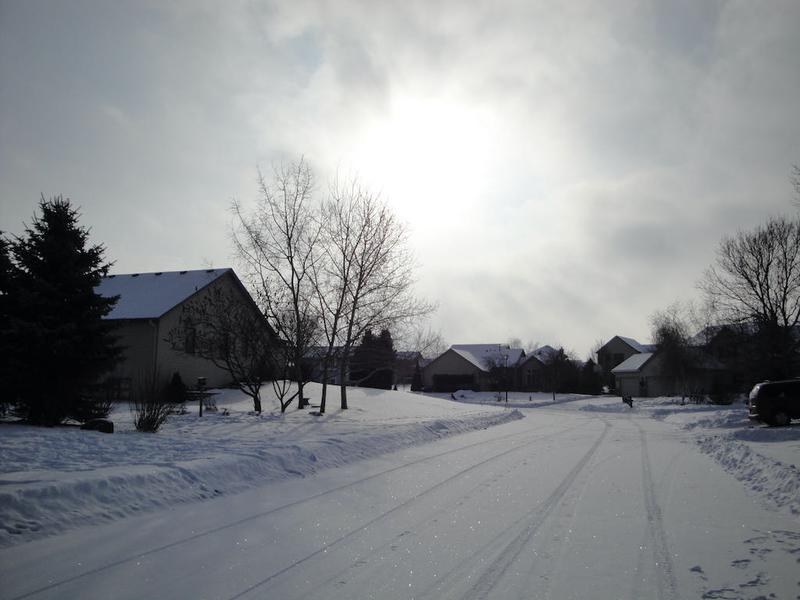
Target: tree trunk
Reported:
[(298, 370), (343, 385), (257, 403), (325, 368)]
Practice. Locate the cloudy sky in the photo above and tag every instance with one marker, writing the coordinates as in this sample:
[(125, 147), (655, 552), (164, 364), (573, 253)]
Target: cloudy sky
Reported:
[(565, 168)]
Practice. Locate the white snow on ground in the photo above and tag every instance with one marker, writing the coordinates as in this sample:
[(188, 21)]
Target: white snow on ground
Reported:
[(764, 458), (54, 479), (515, 399), (584, 497)]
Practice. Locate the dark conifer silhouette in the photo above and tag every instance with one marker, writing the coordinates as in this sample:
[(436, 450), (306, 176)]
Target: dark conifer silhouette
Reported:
[(60, 345), (373, 361)]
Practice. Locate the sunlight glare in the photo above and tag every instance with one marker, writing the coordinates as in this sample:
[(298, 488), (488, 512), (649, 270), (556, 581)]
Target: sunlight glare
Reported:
[(429, 155)]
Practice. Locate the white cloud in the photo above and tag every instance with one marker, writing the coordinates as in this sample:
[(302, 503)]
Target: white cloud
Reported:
[(566, 168)]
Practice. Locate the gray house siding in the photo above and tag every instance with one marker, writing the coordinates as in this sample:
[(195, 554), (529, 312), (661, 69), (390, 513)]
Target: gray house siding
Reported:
[(450, 363), (148, 354), (649, 380)]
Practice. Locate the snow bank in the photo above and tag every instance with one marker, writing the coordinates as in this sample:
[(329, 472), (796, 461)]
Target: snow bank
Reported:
[(763, 458), (52, 480), (774, 480)]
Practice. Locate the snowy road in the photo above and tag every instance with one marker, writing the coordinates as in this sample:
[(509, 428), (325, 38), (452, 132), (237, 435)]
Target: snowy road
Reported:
[(558, 505)]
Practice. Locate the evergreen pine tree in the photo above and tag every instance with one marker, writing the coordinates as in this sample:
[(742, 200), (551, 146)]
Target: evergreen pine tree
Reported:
[(362, 362), (589, 379), (61, 344), (385, 361), (7, 378), (372, 364)]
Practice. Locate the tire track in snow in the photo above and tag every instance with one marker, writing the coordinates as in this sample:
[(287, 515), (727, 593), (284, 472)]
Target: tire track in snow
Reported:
[(358, 564), (557, 555), (288, 505), (530, 523), (403, 505), (664, 569)]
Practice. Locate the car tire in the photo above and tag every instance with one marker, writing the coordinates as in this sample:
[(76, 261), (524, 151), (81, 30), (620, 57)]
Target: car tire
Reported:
[(780, 418)]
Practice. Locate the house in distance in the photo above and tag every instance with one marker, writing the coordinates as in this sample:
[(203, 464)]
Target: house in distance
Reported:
[(471, 367)]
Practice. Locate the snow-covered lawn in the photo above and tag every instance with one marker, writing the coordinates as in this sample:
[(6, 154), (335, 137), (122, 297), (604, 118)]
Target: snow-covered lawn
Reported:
[(573, 498), (52, 480)]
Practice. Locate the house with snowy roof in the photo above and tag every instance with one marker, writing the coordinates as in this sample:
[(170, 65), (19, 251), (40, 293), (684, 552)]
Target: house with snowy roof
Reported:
[(472, 367), (645, 375), (617, 350), (149, 308)]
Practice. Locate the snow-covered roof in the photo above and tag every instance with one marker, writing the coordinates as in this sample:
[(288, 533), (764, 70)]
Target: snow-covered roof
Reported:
[(150, 295), (636, 345), (545, 353), (484, 356), (633, 364)]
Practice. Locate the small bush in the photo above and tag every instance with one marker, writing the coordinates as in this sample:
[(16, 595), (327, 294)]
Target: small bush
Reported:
[(152, 404)]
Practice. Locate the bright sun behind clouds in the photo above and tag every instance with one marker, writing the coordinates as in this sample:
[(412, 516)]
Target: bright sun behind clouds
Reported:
[(428, 156)]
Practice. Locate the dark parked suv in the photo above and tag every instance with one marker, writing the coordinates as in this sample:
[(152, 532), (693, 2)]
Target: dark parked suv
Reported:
[(775, 402)]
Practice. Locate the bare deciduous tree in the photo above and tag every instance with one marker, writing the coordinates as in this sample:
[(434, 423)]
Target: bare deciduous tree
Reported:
[(370, 270), (500, 372), (422, 338), (232, 334), (756, 279), (599, 343), (514, 342), (277, 243), (341, 236), (670, 334), (282, 379)]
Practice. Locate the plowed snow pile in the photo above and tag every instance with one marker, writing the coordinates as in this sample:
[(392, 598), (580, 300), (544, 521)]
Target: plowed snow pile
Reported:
[(54, 479)]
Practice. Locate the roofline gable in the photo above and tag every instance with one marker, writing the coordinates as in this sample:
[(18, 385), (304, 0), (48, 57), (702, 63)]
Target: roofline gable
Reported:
[(199, 289), (443, 354), (530, 357)]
